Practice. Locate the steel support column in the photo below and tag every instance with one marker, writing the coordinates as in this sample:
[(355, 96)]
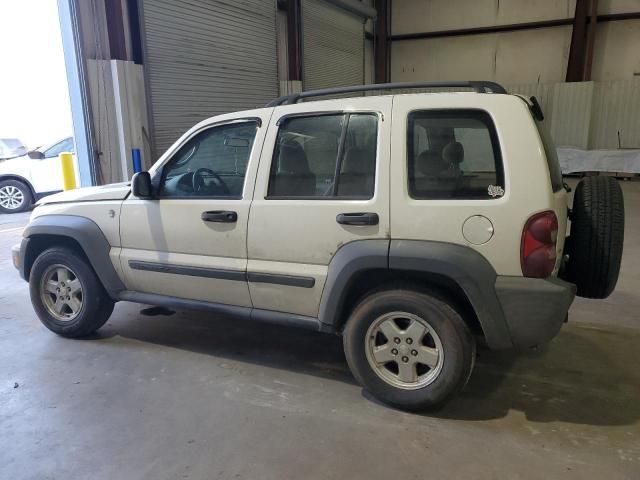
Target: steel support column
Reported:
[(294, 40), (578, 49), (381, 42), (591, 39)]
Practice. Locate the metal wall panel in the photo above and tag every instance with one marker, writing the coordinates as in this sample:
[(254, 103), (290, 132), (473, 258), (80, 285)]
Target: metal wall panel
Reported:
[(590, 115), (204, 58), (332, 46), (572, 103), (616, 119), (542, 91)]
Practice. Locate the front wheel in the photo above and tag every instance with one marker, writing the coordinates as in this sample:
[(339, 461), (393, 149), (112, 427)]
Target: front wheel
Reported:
[(411, 350), (67, 295)]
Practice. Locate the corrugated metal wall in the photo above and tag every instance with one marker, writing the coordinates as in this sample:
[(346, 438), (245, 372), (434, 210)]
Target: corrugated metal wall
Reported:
[(616, 114), (571, 107), (332, 46), (206, 58), (590, 115)]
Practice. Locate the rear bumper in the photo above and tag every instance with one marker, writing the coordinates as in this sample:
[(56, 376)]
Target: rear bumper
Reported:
[(534, 308)]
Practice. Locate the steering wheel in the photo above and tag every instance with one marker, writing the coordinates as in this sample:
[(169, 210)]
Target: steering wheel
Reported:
[(198, 180)]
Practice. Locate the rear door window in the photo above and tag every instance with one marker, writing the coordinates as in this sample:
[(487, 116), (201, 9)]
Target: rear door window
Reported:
[(325, 156), (453, 154)]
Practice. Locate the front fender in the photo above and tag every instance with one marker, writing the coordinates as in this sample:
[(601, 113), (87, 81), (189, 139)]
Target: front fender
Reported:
[(86, 233)]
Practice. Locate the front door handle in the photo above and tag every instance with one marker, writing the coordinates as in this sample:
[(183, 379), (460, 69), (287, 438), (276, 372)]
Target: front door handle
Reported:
[(220, 216), (357, 218)]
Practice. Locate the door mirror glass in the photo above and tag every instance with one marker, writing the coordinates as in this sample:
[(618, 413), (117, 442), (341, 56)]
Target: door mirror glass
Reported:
[(141, 185), (36, 155)]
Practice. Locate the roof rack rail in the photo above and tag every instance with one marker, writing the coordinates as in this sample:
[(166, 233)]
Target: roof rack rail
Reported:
[(479, 86)]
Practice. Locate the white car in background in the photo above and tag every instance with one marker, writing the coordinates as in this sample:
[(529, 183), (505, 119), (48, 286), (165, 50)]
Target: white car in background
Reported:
[(28, 178), (11, 147)]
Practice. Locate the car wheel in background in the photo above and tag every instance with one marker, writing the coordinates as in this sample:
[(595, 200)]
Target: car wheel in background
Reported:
[(15, 196)]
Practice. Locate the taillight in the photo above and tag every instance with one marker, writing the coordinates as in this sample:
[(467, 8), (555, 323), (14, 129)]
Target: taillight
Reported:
[(538, 248)]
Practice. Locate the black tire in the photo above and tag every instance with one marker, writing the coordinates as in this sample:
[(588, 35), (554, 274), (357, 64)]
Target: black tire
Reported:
[(25, 191), (458, 346), (96, 306), (596, 237)]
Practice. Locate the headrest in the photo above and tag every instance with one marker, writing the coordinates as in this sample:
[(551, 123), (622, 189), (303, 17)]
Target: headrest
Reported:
[(430, 164), (292, 159), (359, 160), (453, 153)]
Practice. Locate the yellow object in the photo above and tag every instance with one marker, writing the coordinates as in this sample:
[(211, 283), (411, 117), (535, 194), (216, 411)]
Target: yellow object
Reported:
[(68, 173)]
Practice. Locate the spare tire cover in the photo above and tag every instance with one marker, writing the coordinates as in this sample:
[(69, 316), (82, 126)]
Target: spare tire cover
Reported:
[(597, 234)]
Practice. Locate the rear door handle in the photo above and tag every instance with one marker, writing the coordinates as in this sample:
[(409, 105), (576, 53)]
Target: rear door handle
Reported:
[(220, 216), (357, 218)]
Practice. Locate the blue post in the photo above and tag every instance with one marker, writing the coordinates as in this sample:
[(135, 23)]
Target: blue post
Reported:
[(137, 164)]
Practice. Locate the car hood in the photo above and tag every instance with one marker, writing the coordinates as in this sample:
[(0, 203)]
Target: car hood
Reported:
[(113, 191)]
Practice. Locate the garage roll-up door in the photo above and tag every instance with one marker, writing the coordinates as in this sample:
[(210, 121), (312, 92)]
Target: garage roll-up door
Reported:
[(332, 46), (206, 57)]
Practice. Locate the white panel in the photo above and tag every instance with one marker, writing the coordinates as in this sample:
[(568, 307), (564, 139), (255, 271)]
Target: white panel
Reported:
[(616, 123), (617, 6), (455, 58), (205, 58), (411, 16), (530, 56), (332, 46), (100, 82), (572, 103), (542, 91), (616, 50)]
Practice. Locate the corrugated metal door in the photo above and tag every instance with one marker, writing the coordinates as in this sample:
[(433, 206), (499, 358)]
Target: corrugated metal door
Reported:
[(205, 58), (332, 46)]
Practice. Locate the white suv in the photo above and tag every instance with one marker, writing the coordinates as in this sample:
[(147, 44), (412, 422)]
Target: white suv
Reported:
[(32, 176), (410, 224)]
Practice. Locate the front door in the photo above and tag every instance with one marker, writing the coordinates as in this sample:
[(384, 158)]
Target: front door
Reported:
[(322, 183), (190, 242)]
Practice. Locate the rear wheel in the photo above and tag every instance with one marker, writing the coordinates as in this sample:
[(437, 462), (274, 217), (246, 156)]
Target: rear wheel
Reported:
[(411, 350), (15, 196), (66, 294), (596, 237)]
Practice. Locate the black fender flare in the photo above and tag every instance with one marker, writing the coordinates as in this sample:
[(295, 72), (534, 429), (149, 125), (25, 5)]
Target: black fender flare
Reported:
[(87, 234), (466, 267)]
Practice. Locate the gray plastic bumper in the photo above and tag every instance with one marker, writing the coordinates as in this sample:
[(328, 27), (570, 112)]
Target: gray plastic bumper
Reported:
[(534, 308)]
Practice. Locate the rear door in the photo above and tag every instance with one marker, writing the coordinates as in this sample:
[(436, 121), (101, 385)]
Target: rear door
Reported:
[(322, 183)]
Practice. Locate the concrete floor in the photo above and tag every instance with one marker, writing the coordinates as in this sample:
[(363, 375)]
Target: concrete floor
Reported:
[(187, 396)]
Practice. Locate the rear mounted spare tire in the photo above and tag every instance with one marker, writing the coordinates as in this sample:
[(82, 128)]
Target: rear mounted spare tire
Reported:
[(597, 234)]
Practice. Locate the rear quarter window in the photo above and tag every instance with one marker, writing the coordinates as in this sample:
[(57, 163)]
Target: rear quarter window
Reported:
[(453, 154)]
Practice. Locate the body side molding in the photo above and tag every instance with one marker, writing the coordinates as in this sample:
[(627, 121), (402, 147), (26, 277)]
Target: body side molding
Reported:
[(241, 313)]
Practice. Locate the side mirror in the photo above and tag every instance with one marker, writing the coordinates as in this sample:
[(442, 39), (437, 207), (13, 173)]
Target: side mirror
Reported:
[(141, 185), (35, 155)]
